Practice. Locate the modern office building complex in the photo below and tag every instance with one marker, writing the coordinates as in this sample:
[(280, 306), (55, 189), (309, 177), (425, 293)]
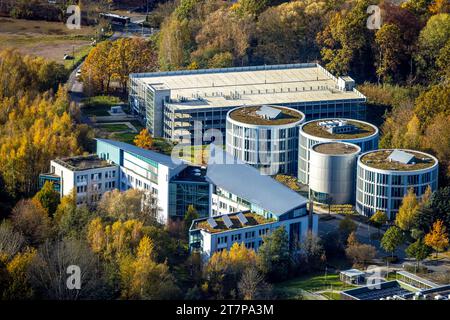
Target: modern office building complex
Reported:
[(384, 177), (169, 103), (363, 134), (246, 206), (332, 172), (265, 137)]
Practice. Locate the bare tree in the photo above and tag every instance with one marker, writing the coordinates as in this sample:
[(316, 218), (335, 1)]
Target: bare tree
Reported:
[(31, 219), (11, 241), (131, 204), (49, 271), (252, 285)]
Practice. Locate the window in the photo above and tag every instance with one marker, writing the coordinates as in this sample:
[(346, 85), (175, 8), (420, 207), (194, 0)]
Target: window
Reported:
[(250, 234), (236, 237), (250, 245), (221, 240)]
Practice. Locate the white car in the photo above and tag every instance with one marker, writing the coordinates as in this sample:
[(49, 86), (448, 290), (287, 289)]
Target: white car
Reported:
[(78, 74)]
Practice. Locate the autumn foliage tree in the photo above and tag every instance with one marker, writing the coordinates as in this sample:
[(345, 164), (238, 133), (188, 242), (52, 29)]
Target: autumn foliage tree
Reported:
[(225, 268), (48, 197), (407, 212), (114, 61), (144, 140), (438, 237)]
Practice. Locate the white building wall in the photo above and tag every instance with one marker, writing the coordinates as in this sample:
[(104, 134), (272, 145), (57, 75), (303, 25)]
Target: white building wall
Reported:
[(210, 240), (86, 189)]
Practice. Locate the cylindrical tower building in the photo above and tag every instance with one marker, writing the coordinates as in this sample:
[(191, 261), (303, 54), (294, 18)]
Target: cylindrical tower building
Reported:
[(265, 137), (332, 172), (363, 134), (385, 176)]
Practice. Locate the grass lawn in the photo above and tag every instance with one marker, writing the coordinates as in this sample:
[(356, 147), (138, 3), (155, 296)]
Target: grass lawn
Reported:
[(50, 40), (163, 145), (80, 53), (114, 127), (332, 295), (126, 137), (311, 283), (99, 105)]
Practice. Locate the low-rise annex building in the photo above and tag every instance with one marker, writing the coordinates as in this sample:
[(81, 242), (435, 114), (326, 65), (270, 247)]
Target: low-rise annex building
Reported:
[(265, 137), (88, 176), (384, 177)]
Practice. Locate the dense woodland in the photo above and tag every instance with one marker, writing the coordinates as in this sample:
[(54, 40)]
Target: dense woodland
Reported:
[(403, 69)]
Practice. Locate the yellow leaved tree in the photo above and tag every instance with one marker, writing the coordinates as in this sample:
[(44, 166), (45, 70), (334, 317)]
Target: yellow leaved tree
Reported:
[(437, 238)]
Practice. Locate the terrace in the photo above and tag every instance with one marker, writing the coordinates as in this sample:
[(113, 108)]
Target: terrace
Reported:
[(253, 219), (250, 115), (83, 163), (380, 160), (362, 130)]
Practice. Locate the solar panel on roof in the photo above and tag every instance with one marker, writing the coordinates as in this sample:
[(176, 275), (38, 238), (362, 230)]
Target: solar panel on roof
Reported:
[(401, 156), (268, 112), (242, 218), (212, 222), (227, 221)]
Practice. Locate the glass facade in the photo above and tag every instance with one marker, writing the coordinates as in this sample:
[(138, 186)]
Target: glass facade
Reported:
[(183, 193), (384, 191)]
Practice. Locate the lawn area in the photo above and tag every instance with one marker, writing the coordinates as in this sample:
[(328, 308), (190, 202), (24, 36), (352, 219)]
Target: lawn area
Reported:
[(50, 40), (312, 283), (114, 127), (126, 137), (99, 105), (162, 145), (331, 295)]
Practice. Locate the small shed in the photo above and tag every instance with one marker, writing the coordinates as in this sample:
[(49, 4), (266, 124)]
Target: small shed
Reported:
[(352, 276)]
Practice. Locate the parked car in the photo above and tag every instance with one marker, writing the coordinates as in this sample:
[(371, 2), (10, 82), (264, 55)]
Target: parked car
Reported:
[(68, 57)]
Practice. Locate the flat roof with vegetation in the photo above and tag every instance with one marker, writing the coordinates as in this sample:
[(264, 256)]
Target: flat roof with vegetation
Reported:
[(335, 148), (379, 159), (252, 218), (364, 130), (248, 115), (79, 163)]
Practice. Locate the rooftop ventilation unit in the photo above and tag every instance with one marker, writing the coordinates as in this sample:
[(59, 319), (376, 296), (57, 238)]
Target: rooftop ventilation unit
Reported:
[(227, 221), (212, 222), (242, 218)]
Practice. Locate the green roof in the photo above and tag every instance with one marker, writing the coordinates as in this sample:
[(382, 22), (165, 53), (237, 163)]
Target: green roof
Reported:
[(249, 115), (364, 130), (379, 160)]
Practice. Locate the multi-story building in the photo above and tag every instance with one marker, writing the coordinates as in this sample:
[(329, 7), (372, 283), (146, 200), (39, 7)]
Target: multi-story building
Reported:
[(88, 176), (385, 176), (122, 166), (363, 134), (170, 103), (246, 206), (333, 172), (265, 137)]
